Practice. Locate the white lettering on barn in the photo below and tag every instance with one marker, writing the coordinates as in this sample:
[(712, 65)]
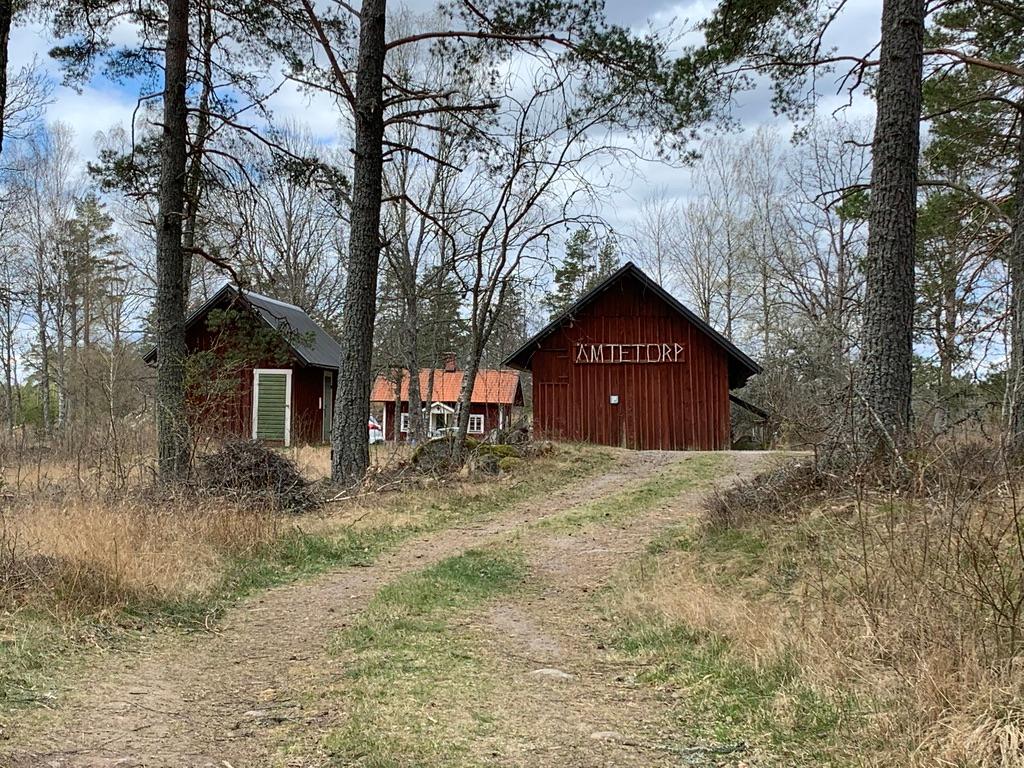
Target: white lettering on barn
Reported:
[(631, 353)]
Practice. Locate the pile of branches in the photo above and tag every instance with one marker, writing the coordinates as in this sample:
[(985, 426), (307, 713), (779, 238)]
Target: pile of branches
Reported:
[(248, 472)]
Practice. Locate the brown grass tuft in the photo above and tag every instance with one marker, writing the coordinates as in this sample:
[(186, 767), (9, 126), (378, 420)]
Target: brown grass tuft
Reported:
[(86, 556)]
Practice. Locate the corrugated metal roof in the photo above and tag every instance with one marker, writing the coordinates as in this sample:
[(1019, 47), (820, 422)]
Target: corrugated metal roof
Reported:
[(311, 343), (491, 386)]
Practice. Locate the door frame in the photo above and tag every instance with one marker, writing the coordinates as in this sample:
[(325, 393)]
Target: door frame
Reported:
[(328, 395), (287, 401)]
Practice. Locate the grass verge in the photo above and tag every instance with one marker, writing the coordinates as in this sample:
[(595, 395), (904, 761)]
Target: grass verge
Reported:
[(696, 616), (691, 471), (126, 571), (404, 662)]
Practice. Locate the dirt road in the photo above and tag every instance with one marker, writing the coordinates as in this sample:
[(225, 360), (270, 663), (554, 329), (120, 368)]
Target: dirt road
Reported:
[(224, 699)]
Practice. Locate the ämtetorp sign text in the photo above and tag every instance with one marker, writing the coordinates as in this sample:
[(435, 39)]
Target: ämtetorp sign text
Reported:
[(630, 353)]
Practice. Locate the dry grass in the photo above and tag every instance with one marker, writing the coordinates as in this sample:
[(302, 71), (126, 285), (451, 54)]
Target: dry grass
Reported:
[(118, 559), (315, 460), (82, 555), (908, 599)]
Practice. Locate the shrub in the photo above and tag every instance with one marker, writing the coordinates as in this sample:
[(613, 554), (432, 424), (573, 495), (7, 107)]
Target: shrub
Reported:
[(772, 496), (251, 473), (510, 464)]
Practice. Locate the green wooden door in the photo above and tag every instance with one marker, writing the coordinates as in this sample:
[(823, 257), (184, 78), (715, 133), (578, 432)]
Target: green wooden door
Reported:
[(273, 391)]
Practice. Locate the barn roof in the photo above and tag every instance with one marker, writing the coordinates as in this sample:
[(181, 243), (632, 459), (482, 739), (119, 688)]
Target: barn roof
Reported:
[(491, 386), (741, 367), (310, 343)]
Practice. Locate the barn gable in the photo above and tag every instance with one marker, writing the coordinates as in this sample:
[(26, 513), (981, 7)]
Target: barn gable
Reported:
[(647, 293), (629, 365)]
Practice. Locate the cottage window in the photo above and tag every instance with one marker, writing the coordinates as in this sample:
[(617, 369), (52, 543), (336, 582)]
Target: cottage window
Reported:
[(405, 422), (476, 424)]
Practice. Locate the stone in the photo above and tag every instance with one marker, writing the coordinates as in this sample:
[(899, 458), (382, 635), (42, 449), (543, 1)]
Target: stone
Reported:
[(551, 674)]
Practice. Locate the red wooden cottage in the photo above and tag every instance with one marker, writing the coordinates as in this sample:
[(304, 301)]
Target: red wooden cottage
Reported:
[(495, 394), (629, 365), (259, 368)]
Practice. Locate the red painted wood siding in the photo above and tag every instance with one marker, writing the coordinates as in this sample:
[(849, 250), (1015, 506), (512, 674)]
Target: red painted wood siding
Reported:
[(225, 408), (668, 406)]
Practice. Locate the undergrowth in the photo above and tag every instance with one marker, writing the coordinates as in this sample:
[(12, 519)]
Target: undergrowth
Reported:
[(78, 573), (403, 660), (893, 601)]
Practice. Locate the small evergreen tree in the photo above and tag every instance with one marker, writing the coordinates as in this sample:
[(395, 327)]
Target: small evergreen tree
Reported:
[(589, 259)]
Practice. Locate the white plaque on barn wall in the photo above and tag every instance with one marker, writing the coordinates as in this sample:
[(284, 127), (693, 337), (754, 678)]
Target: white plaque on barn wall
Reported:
[(631, 353)]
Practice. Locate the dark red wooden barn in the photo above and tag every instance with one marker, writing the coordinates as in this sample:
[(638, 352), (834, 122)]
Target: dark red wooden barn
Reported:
[(259, 368), (629, 365)]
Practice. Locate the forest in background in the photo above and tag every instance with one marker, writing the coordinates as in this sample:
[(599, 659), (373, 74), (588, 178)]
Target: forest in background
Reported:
[(768, 247)]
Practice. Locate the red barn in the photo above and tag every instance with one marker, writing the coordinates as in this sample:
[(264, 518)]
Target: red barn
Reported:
[(629, 365), (259, 368), (495, 394)]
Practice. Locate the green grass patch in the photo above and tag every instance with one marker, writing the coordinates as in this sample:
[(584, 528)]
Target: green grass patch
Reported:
[(727, 699), (688, 473), (411, 683), (29, 647), (722, 694)]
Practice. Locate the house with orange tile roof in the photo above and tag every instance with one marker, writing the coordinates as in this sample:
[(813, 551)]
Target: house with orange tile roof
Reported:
[(496, 393)]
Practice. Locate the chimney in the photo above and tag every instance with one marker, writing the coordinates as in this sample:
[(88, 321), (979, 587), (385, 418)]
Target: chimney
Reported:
[(450, 363)]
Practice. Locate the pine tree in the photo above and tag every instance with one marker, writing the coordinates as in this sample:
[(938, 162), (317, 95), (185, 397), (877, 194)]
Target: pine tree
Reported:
[(977, 151), (588, 260)]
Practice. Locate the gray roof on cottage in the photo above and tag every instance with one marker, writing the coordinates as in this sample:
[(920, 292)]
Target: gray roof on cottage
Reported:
[(311, 343)]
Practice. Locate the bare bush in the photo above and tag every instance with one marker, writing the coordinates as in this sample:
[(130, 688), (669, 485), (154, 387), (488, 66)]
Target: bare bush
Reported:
[(775, 495), (909, 593)]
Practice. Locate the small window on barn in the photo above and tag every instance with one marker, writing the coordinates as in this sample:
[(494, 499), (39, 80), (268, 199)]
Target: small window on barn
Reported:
[(476, 424), (405, 422)]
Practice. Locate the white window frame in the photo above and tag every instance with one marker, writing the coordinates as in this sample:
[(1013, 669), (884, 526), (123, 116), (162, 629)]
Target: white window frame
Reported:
[(473, 416), (287, 400), (404, 422)]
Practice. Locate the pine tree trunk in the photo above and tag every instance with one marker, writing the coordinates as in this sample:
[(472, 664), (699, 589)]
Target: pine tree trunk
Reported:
[(887, 345), (1015, 259), (194, 185), (6, 14), (351, 454), (172, 426)]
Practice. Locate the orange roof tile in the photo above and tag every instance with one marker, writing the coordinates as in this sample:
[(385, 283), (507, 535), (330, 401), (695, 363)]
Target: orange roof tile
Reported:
[(491, 386)]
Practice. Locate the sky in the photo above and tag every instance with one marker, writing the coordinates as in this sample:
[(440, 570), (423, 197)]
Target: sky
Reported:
[(101, 105)]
